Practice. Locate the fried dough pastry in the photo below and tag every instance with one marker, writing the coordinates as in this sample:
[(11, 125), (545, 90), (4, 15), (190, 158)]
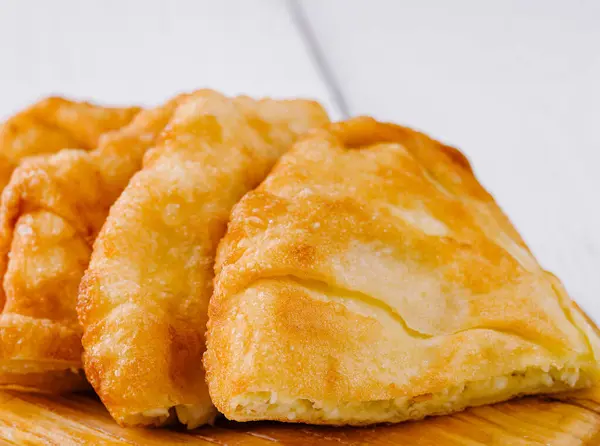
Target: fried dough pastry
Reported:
[(51, 211), (53, 124), (6, 170), (370, 278), (143, 301)]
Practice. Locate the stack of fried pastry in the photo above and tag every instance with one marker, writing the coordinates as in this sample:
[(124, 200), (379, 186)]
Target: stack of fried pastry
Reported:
[(251, 258)]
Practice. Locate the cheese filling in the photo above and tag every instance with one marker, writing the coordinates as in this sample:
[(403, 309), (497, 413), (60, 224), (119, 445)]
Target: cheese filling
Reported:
[(276, 406)]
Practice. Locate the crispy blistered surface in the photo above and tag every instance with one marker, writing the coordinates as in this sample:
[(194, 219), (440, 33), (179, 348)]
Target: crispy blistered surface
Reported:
[(50, 213), (143, 300), (371, 265), (53, 124)]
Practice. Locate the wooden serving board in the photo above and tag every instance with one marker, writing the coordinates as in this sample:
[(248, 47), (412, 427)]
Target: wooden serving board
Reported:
[(564, 419)]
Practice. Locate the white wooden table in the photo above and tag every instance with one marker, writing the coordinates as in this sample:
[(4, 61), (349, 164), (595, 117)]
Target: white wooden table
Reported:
[(515, 84)]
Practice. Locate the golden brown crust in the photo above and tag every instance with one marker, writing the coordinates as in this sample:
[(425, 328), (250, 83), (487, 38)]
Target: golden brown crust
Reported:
[(6, 170), (371, 266), (143, 301), (51, 211), (53, 124)]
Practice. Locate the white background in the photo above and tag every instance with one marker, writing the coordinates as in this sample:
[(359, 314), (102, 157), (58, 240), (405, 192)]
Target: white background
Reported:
[(514, 83)]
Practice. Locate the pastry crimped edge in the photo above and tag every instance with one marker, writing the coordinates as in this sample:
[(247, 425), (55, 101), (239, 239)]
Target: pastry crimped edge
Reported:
[(243, 398)]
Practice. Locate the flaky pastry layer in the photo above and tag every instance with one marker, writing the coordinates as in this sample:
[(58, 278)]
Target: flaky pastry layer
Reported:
[(43, 356)]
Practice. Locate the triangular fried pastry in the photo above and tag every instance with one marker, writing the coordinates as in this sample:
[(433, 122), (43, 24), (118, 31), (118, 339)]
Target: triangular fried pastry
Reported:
[(370, 278), (51, 211), (143, 301), (53, 124)]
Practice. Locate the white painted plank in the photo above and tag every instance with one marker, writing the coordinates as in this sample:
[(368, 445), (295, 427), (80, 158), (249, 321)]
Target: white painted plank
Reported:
[(515, 84), (143, 51)]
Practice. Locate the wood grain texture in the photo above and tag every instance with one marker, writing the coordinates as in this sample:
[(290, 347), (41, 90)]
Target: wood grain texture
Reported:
[(568, 419)]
